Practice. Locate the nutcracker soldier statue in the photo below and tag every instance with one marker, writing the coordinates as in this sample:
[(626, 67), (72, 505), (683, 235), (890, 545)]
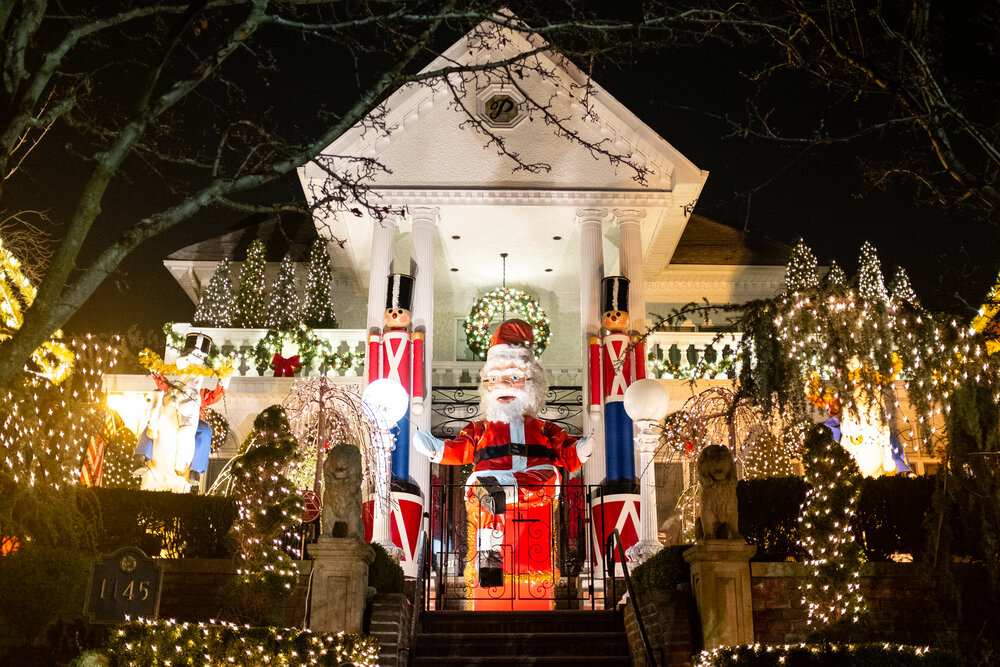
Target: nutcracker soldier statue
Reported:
[(617, 359), (398, 354)]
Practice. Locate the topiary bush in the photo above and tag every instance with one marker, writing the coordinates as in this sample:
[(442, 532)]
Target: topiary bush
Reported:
[(384, 574), (664, 571), (825, 655)]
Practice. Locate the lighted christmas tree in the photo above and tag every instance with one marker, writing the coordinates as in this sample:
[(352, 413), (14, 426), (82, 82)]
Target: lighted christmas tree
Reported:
[(252, 295), (217, 307), (317, 311), (284, 311), (902, 291), (871, 285), (830, 590), (836, 277), (801, 272), (268, 509)]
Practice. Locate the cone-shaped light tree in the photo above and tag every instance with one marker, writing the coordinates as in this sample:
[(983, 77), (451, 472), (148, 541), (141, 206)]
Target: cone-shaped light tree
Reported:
[(318, 311), (217, 307), (283, 311), (252, 294)]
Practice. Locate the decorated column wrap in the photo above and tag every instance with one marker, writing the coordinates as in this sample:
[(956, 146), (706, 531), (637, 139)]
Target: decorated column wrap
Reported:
[(424, 223), (631, 263), (591, 272)]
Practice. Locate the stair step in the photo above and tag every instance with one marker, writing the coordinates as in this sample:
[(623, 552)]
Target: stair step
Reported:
[(538, 644), (570, 621)]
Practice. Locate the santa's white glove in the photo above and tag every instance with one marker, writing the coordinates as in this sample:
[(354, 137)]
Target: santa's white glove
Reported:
[(584, 448), (428, 445)]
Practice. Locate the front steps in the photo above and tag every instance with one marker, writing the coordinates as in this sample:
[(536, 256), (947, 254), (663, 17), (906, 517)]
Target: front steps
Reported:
[(543, 638)]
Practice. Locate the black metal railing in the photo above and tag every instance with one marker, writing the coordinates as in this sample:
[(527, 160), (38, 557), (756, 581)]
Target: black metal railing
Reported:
[(615, 540), (454, 407)]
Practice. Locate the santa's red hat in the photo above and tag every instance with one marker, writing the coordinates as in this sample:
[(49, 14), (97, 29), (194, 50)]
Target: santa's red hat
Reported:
[(513, 340)]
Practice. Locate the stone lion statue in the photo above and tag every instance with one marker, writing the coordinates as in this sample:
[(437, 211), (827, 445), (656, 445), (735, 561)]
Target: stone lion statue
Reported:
[(341, 515), (719, 518)]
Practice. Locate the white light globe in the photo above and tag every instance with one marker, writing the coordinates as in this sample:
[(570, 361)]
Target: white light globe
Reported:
[(647, 400), (385, 400)]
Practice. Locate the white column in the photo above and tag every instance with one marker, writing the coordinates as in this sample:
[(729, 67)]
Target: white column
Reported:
[(646, 441), (424, 223), (383, 236), (383, 442), (591, 273), (630, 259)]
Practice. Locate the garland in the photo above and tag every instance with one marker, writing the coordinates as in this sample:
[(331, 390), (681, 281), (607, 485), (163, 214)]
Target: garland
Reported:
[(310, 346), (665, 369), (497, 302), (151, 361)]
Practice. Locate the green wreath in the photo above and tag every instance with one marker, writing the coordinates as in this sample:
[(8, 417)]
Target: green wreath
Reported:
[(310, 346), (498, 302)]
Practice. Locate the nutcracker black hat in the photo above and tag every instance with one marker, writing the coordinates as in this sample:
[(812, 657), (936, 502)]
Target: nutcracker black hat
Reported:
[(400, 292), (614, 294)]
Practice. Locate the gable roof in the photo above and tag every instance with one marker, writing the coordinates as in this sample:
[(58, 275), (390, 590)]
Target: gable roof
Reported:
[(706, 241)]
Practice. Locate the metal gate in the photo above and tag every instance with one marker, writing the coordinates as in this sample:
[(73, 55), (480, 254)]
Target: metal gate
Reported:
[(544, 551)]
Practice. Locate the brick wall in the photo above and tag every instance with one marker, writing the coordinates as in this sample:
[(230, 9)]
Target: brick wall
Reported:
[(905, 606), (666, 615), (390, 624), (192, 590)]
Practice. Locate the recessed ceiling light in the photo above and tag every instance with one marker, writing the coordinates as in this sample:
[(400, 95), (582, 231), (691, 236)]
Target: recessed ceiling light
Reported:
[(454, 270), (456, 237), (548, 270), (557, 238)]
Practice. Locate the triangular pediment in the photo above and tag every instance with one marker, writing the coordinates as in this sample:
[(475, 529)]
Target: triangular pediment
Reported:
[(435, 139)]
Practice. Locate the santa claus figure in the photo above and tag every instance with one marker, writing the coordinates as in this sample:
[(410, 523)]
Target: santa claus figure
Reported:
[(519, 462), (398, 354), (616, 361)]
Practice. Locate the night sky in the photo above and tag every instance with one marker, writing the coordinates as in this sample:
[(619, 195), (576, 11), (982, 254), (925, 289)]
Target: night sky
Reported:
[(778, 191)]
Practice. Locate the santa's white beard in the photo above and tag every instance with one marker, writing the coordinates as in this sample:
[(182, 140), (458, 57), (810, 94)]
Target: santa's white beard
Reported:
[(505, 412)]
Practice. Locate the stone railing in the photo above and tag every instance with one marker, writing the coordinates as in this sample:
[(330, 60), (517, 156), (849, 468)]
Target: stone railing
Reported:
[(242, 342), (692, 354)]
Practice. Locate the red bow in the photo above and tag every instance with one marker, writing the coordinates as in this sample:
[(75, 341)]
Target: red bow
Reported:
[(285, 368)]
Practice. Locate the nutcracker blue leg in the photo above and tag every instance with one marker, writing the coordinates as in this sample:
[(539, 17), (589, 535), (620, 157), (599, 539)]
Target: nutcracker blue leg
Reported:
[(401, 454), (618, 443)]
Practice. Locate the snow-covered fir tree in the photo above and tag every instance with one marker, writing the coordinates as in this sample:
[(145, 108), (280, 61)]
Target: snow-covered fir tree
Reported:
[(252, 294), (317, 311), (217, 307), (871, 285), (801, 272), (283, 311)]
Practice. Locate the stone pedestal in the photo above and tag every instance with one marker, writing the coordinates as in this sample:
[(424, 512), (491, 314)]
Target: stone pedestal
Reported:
[(340, 583), (720, 581)]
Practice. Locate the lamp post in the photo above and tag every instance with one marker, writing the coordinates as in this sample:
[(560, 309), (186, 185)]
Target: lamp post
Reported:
[(646, 402), (385, 401)]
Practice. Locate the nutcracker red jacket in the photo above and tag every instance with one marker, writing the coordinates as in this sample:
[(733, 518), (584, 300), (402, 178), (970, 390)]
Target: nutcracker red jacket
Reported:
[(492, 448)]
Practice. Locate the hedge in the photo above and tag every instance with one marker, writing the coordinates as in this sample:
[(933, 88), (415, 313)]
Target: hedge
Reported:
[(825, 655), (891, 514), (166, 524), (664, 571), (149, 643)]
